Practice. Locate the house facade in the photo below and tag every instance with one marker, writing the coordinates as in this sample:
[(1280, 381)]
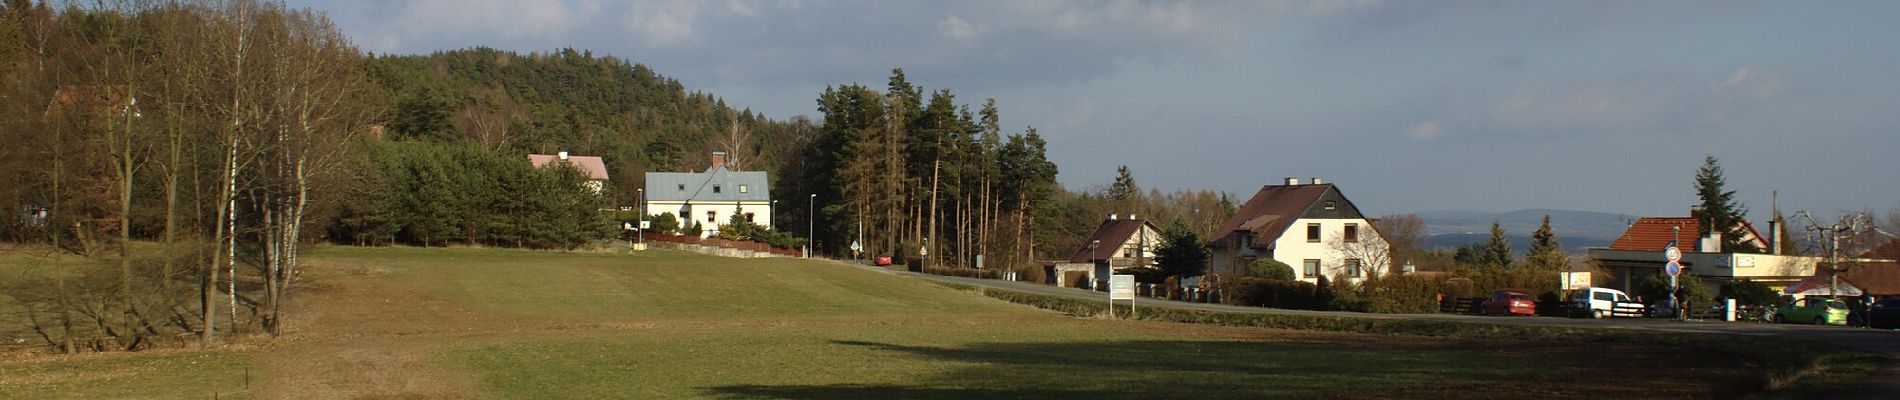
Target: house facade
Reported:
[(1638, 254), (710, 198), (594, 167), (1311, 227), (1119, 243)]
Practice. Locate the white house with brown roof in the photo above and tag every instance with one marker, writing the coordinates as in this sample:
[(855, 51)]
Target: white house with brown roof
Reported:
[(1117, 244), (1311, 227), (595, 169)]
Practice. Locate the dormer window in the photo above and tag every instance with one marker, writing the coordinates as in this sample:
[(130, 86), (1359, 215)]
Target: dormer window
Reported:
[(682, 187), (1330, 204), (745, 189), (715, 188)]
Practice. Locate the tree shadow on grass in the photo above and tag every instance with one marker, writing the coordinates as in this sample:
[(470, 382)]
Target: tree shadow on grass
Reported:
[(1159, 368)]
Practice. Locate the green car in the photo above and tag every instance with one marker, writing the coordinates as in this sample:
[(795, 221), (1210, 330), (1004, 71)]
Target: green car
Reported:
[(1816, 310)]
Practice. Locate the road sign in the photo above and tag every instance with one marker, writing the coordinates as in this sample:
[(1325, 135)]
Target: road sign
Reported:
[(1121, 287), (1673, 269), (1673, 254), (856, 247), (923, 250)]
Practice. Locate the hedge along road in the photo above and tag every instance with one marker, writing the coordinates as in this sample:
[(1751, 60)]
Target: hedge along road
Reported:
[(1882, 384)]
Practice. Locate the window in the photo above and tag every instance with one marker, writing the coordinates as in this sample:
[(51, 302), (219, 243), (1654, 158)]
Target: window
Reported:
[(1312, 233), (712, 216), (1330, 204), (745, 189), (1352, 233), (1312, 268), (715, 188), (748, 217), (682, 187), (1352, 268), (1604, 296)]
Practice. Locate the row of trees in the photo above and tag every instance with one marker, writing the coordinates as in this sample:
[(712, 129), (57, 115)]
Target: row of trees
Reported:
[(427, 194), (906, 173), (209, 127)]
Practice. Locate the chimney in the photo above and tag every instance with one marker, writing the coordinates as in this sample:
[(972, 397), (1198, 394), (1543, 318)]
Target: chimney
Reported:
[(1316, 180), (1711, 243), (1112, 217), (1774, 241), (1291, 181), (718, 158), (563, 155), (1131, 216)]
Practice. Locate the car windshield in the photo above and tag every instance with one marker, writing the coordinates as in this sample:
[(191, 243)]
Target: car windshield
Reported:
[(1520, 296)]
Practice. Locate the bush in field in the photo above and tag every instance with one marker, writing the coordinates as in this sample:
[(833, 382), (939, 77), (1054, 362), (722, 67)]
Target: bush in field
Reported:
[(663, 223), (1270, 269)]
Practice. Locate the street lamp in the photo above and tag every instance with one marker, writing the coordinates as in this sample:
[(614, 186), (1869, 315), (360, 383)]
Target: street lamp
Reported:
[(641, 202), (774, 212), (811, 230), (1095, 252)]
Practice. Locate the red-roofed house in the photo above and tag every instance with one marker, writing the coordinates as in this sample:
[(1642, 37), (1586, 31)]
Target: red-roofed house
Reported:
[(595, 169), (1119, 243), (1310, 227), (1638, 254)]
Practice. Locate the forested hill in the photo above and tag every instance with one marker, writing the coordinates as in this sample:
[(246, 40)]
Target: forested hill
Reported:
[(635, 118)]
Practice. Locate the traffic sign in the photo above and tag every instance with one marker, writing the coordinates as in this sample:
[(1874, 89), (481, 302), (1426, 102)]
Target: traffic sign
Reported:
[(856, 247), (1673, 253), (1673, 269)]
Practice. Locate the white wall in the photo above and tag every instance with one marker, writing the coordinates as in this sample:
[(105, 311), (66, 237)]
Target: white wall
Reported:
[(722, 213), (1294, 249)]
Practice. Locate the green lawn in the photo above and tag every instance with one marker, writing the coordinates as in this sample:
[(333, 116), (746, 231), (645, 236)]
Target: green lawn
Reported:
[(167, 375), (501, 323)]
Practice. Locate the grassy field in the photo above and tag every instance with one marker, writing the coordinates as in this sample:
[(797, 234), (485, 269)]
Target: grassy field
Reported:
[(487, 323)]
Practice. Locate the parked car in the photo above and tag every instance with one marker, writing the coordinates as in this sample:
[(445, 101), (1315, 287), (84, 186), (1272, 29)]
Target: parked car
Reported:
[(1509, 302), (1885, 314), (882, 261), (1816, 310), (1603, 303)]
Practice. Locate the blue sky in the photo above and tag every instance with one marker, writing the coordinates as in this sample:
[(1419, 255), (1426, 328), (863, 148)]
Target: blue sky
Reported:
[(1408, 105)]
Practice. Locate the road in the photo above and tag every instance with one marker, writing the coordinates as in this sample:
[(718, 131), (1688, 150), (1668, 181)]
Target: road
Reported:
[(1883, 384)]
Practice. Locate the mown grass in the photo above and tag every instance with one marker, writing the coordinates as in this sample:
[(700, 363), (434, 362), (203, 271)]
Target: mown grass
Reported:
[(1789, 366), (162, 375), (655, 284)]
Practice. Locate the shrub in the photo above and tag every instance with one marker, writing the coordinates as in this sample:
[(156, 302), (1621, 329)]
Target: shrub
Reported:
[(1270, 269), (1400, 294), (1260, 292), (1749, 293)]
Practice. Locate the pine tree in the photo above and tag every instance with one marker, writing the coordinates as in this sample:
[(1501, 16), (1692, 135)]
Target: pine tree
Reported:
[(1181, 254), (1497, 251), (1720, 210), (1545, 251), (1124, 188)]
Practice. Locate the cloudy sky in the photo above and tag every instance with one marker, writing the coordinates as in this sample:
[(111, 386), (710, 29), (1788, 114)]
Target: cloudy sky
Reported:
[(1408, 105)]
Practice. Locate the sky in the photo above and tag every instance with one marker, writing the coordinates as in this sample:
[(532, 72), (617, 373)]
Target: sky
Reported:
[(1408, 106)]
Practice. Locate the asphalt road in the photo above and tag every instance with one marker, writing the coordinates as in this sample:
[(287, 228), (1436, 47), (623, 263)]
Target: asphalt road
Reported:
[(1884, 384)]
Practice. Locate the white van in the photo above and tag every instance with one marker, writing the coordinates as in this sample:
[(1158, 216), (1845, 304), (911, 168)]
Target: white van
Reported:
[(1602, 303)]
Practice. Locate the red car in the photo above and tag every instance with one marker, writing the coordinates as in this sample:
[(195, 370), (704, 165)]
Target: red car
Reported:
[(883, 261), (1506, 302)]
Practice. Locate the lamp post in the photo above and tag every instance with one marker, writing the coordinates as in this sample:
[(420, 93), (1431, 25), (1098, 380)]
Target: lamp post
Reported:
[(811, 230), (1095, 252), (641, 229), (774, 212)]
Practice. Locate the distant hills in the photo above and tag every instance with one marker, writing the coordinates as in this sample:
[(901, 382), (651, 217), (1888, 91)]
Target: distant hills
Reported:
[(1575, 229)]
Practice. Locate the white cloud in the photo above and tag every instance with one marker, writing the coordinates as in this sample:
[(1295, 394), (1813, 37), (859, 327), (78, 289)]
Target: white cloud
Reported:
[(958, 30), (1424, 130), (664, 23), (1751, 83)]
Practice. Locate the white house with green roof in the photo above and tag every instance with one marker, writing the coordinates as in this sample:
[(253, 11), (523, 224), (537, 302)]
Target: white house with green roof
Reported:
[(710, 198)]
